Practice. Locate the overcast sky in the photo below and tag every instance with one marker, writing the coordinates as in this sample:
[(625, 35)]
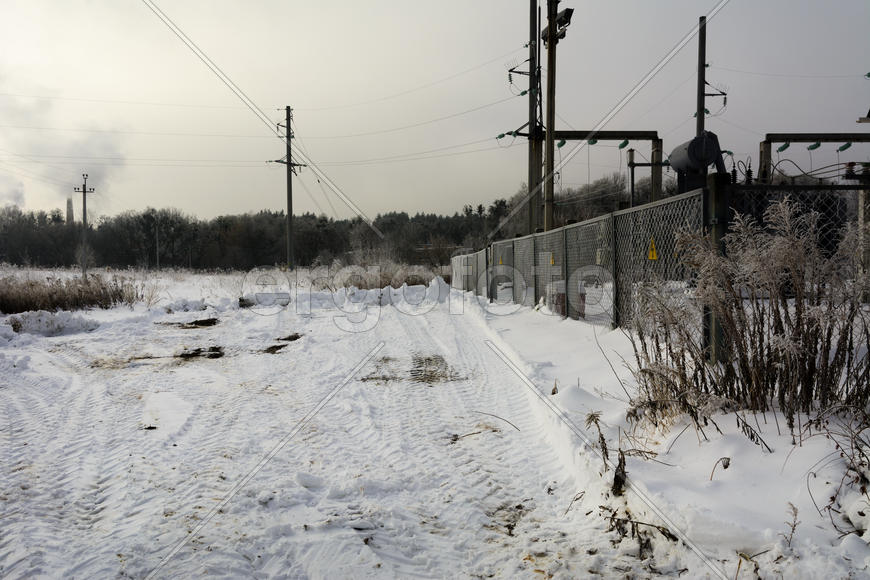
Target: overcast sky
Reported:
[(104, 87)]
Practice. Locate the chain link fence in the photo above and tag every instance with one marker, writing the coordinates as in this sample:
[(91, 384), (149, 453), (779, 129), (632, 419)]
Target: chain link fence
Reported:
[(593, 270), (835, 205), (646, 247), (524, 271), (588, 270)]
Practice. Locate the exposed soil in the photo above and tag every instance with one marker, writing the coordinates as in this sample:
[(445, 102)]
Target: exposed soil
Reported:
[(275, 348), (210, 352), (202, 323), (506, 516), (422, 369)]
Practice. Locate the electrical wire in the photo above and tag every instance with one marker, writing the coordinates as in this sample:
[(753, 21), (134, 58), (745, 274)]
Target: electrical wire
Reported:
[(262, 117), (415, 89), (311, 197), (120, 102), (123, 132), (270, 122), (666, 97), (418, 124), (236, 107), (155, 164), (22, 172), (328, 200), (736, 126), (436, 150), (786, 75), (454, 154), (159, 159), (50, 165), (587, 196), (323, 192)]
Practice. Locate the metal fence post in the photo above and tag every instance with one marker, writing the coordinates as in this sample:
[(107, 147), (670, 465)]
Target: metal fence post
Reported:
[(716, 202), (535, 268), (614, 258), (565, 271), (486, 253), (864, 264)]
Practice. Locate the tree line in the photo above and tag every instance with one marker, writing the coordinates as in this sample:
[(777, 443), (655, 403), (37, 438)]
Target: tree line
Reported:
[(171, 238)]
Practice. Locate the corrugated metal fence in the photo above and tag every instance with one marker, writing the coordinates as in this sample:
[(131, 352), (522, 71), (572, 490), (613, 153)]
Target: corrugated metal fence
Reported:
[(587, 270)]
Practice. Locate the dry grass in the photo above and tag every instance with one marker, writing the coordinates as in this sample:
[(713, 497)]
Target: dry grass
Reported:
[(796, 333), (23, 294)]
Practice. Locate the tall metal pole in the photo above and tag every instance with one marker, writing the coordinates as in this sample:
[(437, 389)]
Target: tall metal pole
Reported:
[(534, 180), (551, 112), (84, 191), (290, 260), (702, 63)]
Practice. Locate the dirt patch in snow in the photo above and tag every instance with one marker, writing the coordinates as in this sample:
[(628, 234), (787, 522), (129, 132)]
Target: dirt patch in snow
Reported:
[(505, 517), (274, 349), (201, 323), (210, 352), (424, 369)]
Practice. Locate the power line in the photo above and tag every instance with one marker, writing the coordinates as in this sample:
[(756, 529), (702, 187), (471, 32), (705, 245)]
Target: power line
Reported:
[(21, 172), (403, 155), (419, 124), (242, 136), (787, 75), (454, 154), (125, 163), (236, 107), (108, 158), (124, 132), (172, 162), (311, 197), (119, 102), (256, 110), (415, 89)]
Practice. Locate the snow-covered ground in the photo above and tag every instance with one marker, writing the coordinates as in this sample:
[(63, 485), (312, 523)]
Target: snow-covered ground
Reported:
[(397, 433)]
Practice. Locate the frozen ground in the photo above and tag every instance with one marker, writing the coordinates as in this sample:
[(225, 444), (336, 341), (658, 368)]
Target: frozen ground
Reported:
[(394, 437)]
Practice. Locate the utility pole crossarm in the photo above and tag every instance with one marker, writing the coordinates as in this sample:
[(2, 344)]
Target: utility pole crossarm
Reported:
[(817, 137), (578, 135)]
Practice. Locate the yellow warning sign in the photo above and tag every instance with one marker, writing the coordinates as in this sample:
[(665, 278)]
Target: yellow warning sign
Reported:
[(652, 254), (552, 259), (499, 261)]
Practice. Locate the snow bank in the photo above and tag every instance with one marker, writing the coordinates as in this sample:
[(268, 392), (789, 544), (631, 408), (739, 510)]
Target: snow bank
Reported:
[(51, 323)]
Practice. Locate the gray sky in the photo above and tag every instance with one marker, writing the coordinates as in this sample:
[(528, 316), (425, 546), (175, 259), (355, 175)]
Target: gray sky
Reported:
[(114, 83)]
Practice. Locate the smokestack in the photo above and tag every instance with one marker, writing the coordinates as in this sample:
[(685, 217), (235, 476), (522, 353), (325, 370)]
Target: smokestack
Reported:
[(69, 211)]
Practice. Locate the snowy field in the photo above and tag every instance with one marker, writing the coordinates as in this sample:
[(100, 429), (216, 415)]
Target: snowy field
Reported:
[(385, 434)]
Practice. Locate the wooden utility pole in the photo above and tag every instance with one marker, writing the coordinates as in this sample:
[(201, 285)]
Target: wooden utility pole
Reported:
[(291, 170), (535, 132), (702, 80), (290, 257), (85, 190), (551, 113)]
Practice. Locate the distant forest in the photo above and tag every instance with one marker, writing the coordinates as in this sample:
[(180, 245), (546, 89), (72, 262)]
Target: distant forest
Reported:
[(134, 238)]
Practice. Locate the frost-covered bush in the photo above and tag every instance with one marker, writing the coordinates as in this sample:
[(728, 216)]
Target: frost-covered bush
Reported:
[(795, 330)]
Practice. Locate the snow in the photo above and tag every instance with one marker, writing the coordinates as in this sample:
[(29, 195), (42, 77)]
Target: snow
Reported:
[(435, 459)]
